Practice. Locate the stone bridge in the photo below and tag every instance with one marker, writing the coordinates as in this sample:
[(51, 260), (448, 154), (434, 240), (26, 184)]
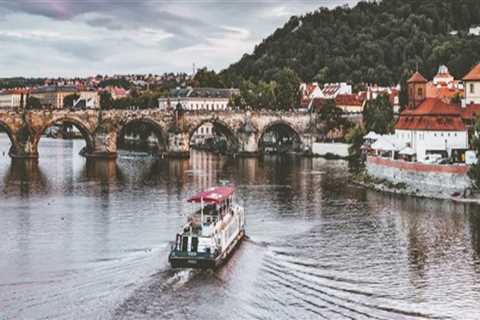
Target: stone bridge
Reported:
[(100, 129)]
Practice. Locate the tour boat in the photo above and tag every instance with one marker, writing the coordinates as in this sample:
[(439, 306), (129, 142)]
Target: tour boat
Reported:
[(211, 233)]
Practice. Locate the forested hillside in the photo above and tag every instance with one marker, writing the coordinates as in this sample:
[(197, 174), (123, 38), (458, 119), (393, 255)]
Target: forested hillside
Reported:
[(374, 42)]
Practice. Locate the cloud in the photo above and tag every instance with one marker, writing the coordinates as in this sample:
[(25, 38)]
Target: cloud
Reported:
[(72, 37)]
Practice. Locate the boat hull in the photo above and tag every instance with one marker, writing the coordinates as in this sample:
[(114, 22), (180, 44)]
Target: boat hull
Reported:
[(203, 262)]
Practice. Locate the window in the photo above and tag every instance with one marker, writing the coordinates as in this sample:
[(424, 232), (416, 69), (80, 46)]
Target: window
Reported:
[(420, 92), (472, 88)]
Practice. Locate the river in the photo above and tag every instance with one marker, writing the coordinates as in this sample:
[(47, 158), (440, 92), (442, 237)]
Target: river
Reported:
[(90, 240)]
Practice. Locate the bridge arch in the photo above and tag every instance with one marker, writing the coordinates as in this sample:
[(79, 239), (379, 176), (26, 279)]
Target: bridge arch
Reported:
[(11, 136), (154, 127), (82, 127), (221, 127), (285, 128)]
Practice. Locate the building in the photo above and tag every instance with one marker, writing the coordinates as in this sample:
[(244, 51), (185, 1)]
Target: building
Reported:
[(12, 99), (444, 86), (350, 103), (472, 87), (53, 96), (417, 90), (117, 92), (313, 95), (332, 90), (204, 132), (432, 125), (197, 99)]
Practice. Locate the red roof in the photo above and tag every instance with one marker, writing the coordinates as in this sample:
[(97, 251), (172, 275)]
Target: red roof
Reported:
[(432, 114), (417, 77), (474, 74), (349, 100), (471, 111), (215, 195), (434, 106)]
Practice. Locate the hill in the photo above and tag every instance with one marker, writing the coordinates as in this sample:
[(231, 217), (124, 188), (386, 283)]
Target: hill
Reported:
[(374, 42)]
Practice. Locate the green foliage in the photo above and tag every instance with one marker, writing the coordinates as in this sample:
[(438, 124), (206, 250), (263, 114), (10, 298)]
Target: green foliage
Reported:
[(457, 99), (33, 103), (146, 100), (280, 93), (287, 89), (374, 42), (206, 78), (106, 100), (123, 83), (331, 117), (355, 138), (474, 172), (70, 99), (378, 115)]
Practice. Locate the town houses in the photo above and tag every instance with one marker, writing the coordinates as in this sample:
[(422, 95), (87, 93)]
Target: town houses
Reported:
[(433, 124)]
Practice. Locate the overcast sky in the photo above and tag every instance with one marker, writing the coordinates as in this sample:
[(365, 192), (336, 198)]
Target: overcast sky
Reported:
[(86, 37)]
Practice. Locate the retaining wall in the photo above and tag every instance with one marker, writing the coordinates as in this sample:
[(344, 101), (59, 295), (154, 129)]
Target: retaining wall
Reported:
[(423, 179)]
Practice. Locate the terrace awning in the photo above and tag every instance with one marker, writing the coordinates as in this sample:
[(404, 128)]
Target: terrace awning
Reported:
[(214, 195)]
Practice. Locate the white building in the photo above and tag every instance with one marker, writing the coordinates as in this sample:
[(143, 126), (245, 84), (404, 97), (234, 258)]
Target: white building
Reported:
[(472, 86), (197, 99), (332, 90), (10, 100)]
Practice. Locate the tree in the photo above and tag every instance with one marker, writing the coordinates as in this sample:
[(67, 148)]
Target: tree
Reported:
[(457, 99), (287, 89), (474, 172), (123, 83), (206, 78), (106, 100), (378, 115), (33, 103), (69, 100), (331, 118), (355, 138)]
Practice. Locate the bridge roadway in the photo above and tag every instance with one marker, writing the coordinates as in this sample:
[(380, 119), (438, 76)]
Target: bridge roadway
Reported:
[(100, 129)]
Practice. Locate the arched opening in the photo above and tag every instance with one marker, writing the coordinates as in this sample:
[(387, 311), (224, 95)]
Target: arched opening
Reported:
[(142, 136), (64, 137), (214, 136), (279, 138), (6, 140)]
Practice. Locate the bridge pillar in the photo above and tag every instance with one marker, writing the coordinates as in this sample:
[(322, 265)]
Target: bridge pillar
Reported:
[(23, 145), (178, 145), (248, 144), (104, 143)]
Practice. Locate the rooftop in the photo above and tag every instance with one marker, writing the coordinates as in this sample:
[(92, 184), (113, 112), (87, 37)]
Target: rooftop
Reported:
[(474, 74), (417, 77)]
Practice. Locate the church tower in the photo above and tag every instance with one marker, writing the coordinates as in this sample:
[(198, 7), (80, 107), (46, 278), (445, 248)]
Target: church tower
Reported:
[(417, 90)]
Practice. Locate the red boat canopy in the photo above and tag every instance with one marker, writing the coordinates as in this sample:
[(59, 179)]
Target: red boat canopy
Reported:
[(214, 195)]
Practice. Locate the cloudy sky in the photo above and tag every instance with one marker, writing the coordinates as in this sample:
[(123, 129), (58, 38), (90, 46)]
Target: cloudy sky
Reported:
[(86, 37)]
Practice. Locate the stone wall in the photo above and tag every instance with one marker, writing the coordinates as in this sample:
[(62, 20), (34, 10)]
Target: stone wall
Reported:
[(430, 180)]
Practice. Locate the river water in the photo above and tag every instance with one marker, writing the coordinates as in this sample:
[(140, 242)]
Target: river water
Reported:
[(90, 240)]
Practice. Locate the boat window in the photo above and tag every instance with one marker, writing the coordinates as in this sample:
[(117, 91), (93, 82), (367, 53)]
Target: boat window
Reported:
[(185, 244), (194, 247)]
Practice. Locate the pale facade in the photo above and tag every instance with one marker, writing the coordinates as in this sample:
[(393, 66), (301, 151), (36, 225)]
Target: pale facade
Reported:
[(194, 104), (198, 99), (429, 141), (10, 101)]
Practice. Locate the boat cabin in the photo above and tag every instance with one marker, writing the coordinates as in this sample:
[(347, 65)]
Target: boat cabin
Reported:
[(198, 234)]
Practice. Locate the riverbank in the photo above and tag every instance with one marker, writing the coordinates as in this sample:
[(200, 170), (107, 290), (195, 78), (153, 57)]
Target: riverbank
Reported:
[(365, 180)]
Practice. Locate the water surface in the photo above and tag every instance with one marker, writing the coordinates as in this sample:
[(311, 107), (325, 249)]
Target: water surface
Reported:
[(83, 239)]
